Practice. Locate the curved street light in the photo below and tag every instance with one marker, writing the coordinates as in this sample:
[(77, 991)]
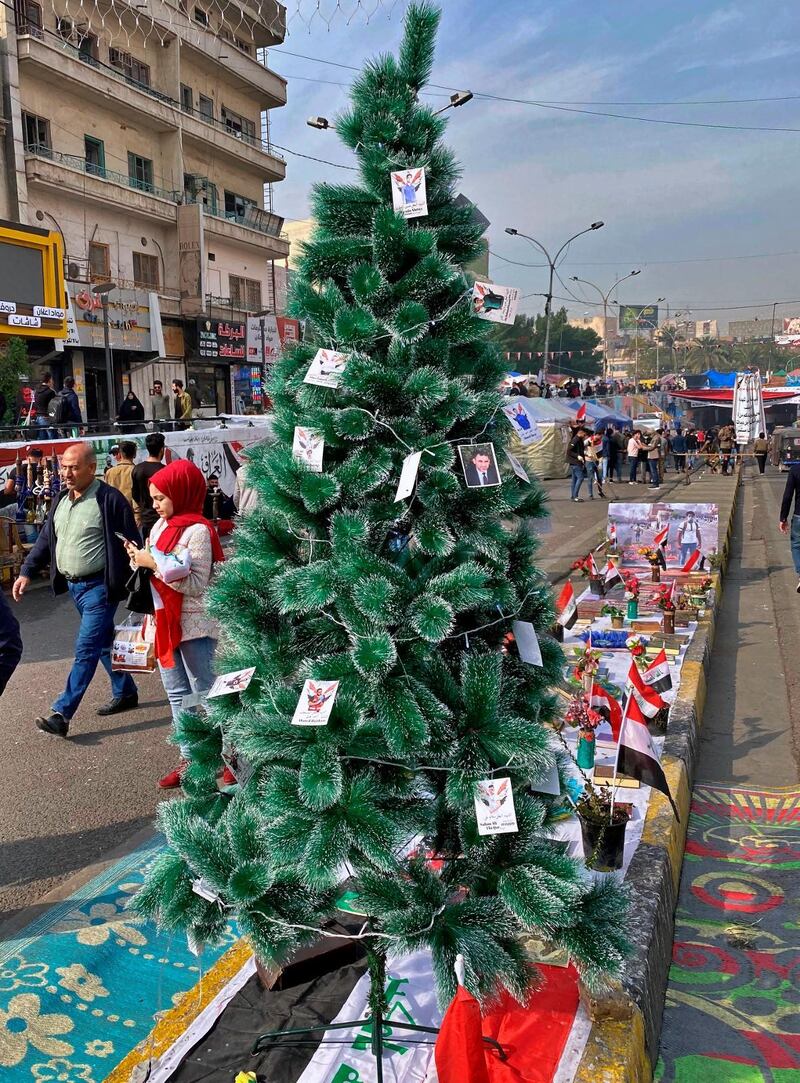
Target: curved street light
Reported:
[(605, 296), (552, 262)]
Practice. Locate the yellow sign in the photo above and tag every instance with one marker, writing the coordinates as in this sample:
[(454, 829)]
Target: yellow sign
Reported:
[(32, 297)]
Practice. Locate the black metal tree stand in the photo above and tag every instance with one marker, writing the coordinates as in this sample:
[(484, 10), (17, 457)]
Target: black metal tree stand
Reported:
[(376, 1020)]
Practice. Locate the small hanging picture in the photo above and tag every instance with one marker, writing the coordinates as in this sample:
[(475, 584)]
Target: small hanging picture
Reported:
[(524, 424), (495, 303), (315, 704), (326, 369), (479, 463), (494, 807), (408, 476), (408, 192), (527, 642), (236, 681), (308, 448), (517, 467)]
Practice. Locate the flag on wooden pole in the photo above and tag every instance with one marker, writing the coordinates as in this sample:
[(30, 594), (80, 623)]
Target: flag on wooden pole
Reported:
[(566, 607)]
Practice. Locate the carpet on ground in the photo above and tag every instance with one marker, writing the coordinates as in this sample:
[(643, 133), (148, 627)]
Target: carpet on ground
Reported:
[(81, 985), (733, 999)]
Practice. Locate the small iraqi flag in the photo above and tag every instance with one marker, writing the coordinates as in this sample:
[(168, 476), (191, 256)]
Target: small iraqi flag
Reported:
[(612, 533), (581, 414), (613, 577), (566, 607), (657, 674), (592, 565), (636, 754), (604, 702), (692, 562), (647, 698)]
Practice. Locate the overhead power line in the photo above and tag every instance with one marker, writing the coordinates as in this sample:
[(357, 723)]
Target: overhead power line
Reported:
[(651, 262)]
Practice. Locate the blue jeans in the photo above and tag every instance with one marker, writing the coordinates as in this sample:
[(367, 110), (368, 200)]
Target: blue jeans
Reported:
[(193, 671), (592, 475), (93, 645), (687, 548), (578, 473), (794, 535), (652, 466), (46, 432)]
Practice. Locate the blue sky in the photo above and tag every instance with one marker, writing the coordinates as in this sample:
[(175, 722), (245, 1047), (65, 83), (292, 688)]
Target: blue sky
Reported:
[(667, 193)]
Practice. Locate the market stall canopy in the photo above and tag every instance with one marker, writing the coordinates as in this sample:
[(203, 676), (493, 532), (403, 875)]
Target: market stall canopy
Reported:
[(542, 446), (720, 379), (773, 396), (598, 414)]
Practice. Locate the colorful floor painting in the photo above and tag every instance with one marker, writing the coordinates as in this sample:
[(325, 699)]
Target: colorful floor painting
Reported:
[(80, 987), (733, 1000)]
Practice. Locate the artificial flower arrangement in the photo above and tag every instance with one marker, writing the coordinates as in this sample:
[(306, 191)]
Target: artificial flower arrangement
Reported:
[(586, 720), (587, 662), (706, 584), (664, 600), (637, 645), (651, 555), (582, 565), (632, 585)]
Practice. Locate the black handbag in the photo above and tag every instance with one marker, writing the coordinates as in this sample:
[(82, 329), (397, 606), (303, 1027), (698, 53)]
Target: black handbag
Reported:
[(140, 595)]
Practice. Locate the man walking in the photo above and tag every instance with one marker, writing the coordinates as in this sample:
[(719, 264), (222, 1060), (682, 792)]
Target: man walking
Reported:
[(725, 439), (120, 475), (42, 397), (159, 402), (78, 541), (761, 450), (792, 492), (654, 458), (679, 450), (183, 405), (145, 513), (577, 462)]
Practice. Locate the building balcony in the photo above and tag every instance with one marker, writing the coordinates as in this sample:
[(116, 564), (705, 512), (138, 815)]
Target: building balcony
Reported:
[(256, 156), (258, 228), (60, 65), (69, 173), (264, 87)]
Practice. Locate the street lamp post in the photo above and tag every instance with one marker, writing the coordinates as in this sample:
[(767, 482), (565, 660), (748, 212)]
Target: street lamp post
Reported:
[(103, 289), (552, 261), (605, 297), (639, 321)]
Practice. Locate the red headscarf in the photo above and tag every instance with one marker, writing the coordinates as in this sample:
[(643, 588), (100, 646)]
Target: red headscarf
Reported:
[(185, 486)]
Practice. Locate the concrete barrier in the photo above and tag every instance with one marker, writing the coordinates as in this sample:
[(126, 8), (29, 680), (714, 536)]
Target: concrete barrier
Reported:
[(623, 1043)]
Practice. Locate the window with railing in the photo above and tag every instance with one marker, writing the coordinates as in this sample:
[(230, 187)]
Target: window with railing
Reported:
[(236, 206), (29, 18), (145, 271), (238, 125), (205, 107), (95, 153), (131, 68), (36, 133), (187, 98), (140, 172), (99, 261), (245, 293)]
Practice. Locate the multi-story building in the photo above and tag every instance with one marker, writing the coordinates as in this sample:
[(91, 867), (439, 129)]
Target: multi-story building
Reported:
[(753, 330), (136, 128)]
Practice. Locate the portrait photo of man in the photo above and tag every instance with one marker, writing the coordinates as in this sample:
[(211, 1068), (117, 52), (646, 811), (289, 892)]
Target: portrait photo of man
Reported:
[(479, 464)]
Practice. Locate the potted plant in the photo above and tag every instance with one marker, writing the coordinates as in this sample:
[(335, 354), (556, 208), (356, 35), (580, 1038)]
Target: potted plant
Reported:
[(637, 645), (653, 558), (603, 824), (616, 614), (586, 720), (587, 567), (587, 663), (632, 587), (666, 603)]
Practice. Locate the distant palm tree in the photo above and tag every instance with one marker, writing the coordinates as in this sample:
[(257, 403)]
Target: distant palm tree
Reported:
[(709, 353)]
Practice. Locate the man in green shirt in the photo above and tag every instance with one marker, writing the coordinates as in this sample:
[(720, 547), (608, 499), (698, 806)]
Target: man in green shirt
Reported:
[(78, 541)]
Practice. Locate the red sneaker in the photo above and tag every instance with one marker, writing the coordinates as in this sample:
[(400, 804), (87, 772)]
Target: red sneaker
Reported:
[(173, 780)]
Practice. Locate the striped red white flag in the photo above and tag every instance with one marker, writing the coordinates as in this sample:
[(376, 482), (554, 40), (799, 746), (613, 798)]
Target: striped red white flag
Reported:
[(636, 754), (648, 699), (692, 562), (566, 606), (657, 675)]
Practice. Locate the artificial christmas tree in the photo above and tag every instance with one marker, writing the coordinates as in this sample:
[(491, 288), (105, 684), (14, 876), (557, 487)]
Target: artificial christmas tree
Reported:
[(407, 605)]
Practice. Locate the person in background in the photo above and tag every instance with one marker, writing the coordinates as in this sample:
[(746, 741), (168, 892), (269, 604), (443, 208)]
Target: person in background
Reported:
[(620, 439), (577, 462), (181, 552), (120, 476), (78, 540), (145, 513), (183, 405), (654, 449), (679, 449), (592, 461), (24, 405), (725, 439), (74, 416), (42, 397), (10, 643), (689, 536), (245, 498), (761, 450), (792, 492), (691, 447), (159, 402), (217, 504), (131, 414), (635, 448)]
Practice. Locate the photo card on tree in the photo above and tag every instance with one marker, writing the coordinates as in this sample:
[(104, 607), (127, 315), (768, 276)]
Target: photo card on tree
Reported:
[(479, 463)]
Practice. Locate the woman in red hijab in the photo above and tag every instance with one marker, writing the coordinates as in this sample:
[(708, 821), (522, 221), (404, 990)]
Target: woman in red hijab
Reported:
[(181, 552)]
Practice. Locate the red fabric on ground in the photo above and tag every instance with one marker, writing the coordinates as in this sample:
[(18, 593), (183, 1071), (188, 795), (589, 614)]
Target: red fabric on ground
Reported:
[(459, 1046), (534, 1036)]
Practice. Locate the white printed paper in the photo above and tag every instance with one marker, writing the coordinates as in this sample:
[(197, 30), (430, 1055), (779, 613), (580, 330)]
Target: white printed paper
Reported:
[(315, 704), (517, 467), (308, 447), (205, 890), (235, 681), (495, 303), (494, 807), (326, 369), (524, 423), (408, 476), (527, 642), (548, 783), (409, 196)]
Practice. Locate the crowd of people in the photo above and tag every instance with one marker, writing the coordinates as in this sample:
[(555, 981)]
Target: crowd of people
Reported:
[(646, 456), (533, 388)]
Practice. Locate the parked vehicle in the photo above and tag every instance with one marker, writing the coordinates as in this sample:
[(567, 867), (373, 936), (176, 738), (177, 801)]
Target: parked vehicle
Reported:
[(785, 448)]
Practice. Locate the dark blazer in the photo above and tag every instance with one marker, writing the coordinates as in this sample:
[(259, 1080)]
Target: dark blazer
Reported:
[(792, 490), (116, 514), (473, 479), (10, 642)]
